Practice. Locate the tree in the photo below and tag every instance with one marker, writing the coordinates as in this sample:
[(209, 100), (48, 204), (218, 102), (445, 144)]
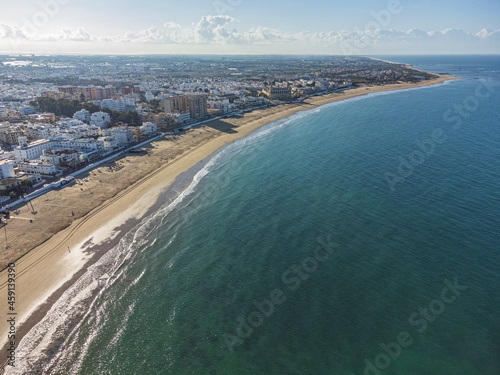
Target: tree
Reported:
[(60, 107), (12, 194), (114, 115), (91, 107), (155, 103), (27, 183), (130, 117)]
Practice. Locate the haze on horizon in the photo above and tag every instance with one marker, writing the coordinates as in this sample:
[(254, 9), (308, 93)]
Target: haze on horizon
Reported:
[(250, 27)]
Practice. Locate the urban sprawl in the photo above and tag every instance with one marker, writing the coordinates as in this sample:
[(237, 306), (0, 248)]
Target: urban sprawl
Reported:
[(59, 114)]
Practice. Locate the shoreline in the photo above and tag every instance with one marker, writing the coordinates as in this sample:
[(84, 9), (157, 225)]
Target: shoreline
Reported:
[(44, 273)]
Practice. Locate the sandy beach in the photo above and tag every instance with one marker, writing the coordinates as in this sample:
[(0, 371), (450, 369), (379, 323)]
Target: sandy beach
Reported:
[(55, 238)]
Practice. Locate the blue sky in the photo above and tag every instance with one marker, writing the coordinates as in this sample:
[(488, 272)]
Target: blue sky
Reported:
[(250, 26)]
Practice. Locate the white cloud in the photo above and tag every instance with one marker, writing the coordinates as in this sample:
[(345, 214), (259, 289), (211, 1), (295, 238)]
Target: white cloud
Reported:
[(263, 34), (488, 34), (216, 30), (11, 32), (171, 25), (80, 35), (211, 29)]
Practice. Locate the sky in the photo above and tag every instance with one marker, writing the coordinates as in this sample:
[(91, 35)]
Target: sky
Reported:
[(355, 27)]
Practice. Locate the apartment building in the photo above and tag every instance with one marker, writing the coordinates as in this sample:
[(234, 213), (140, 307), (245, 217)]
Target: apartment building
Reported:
[(196, 105), (27, 110), (131, 90), (281, 93), (7, 168), (123, 135), (11, 136), (33, 150), (37, 167), (100, 119), (89, 92), (82, 115)]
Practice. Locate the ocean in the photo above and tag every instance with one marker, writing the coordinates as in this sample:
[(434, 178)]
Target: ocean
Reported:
[(360, 237)]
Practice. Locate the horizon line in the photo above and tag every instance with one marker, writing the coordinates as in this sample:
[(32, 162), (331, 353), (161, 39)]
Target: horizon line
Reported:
[(241, 54)]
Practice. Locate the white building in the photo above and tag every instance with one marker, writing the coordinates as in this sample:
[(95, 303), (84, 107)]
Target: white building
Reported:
[(27, 110), (37, 167), (34, 150), (182, 117), (35, 131), (148, 128), (130, 102), (100, 119), (78, 144), (110, 143), (82, 115), (69, 122), (114, 105), (57, 157), (85, 131), (120, 104), (149, 96), (3, 111), (7, 169), (31, 151), (220, 105), (123, 136)]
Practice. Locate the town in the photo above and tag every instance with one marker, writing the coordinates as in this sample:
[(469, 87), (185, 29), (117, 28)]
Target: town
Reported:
[(59, 114)]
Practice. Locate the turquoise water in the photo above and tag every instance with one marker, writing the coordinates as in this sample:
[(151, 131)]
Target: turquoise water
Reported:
[(359, 238)]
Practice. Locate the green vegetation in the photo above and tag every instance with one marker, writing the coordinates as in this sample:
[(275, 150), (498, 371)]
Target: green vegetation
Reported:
[(60, 107), (129, 117), (27, 183)]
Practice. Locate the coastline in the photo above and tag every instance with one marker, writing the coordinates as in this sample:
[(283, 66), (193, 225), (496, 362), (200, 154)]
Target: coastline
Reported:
[(45, 272)]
